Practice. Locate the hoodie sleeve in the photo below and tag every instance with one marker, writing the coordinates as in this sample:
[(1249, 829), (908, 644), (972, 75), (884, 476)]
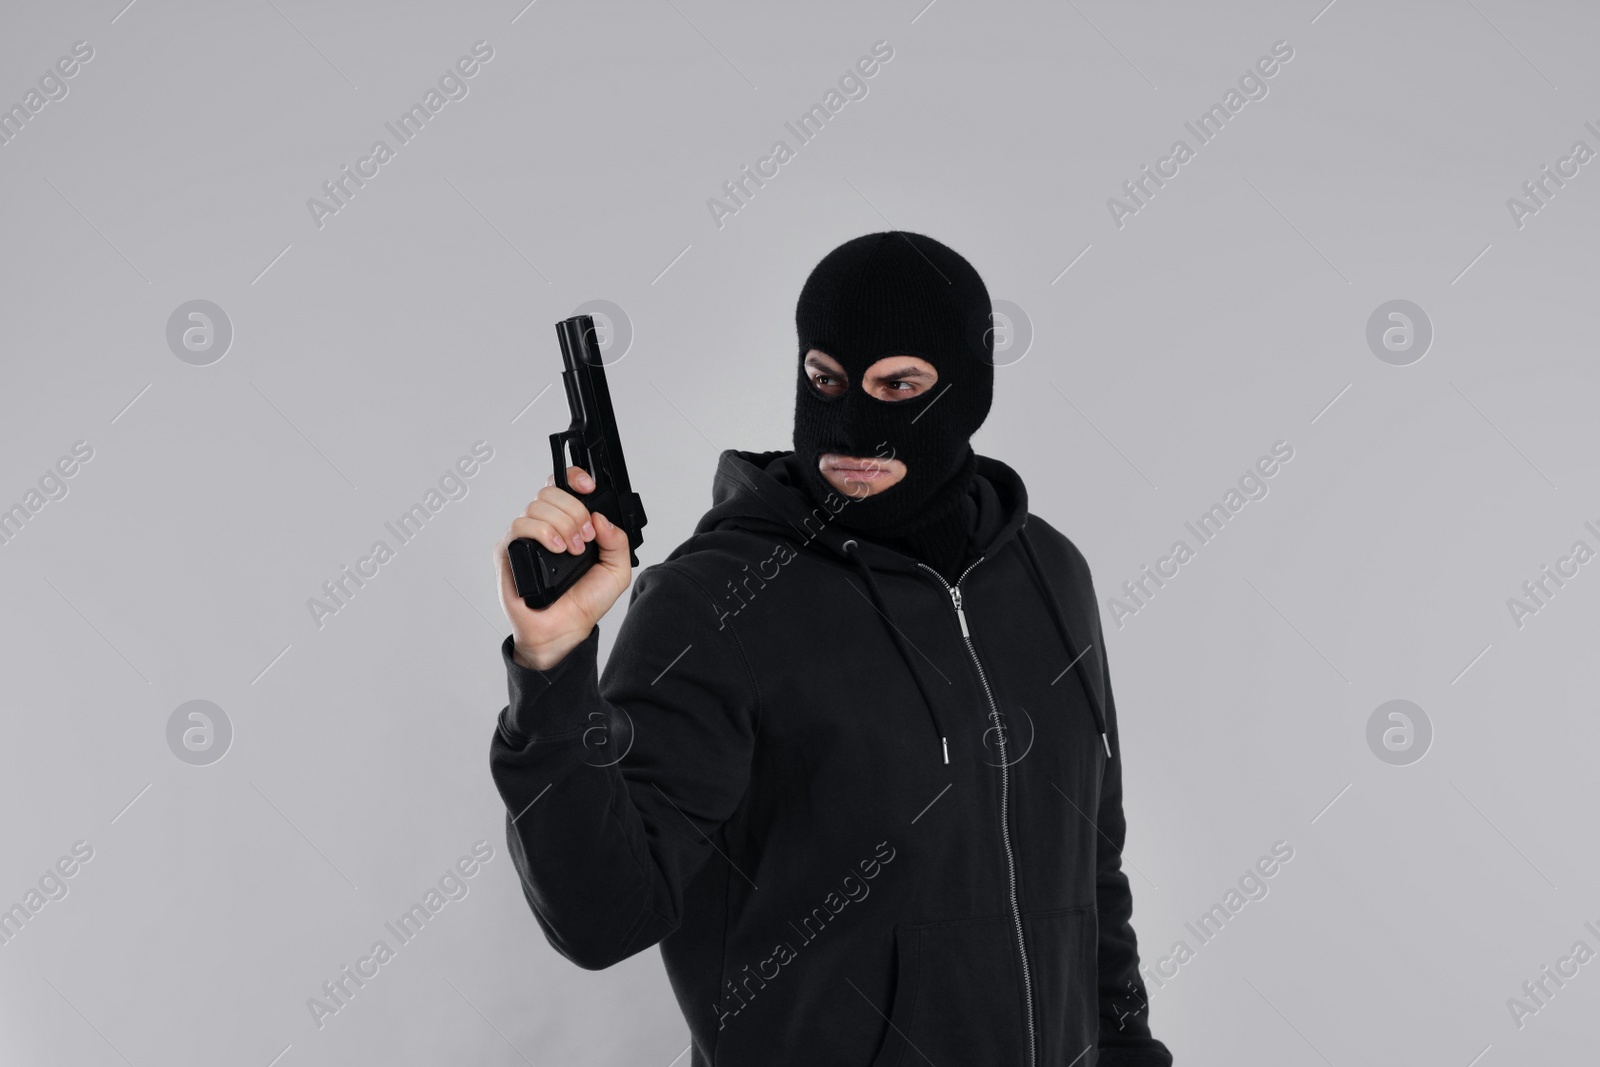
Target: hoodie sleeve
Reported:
[(615, 785), (1125, 1039)]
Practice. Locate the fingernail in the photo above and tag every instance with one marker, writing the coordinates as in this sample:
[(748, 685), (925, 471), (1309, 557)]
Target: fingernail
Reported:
[(588, 530), (560, 544)]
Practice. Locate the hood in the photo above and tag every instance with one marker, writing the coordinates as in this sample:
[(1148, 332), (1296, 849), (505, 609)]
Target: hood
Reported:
[(760, 492)]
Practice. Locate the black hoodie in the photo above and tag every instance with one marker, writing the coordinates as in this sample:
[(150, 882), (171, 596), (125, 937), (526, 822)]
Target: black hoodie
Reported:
[(870, 818)]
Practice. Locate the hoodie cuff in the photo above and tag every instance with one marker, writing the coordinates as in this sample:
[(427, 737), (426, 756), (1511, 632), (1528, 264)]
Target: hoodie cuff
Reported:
[(551, 704)]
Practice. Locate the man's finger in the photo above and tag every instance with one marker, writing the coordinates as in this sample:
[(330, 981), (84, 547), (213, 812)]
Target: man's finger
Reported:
[(546, 531), (563, 510), (613, 542), (580, 480)]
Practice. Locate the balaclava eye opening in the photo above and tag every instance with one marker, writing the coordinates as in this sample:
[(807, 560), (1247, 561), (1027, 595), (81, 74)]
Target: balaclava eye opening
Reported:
[(897, 294)]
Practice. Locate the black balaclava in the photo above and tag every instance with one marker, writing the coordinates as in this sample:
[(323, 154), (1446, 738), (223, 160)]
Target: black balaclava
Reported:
[(896, 294)]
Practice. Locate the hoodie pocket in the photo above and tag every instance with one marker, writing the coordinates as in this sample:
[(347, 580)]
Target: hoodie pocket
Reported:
[(957, 995), (1063, 947)]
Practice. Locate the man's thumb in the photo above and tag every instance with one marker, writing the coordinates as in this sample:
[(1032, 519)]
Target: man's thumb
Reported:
[(613, 540)]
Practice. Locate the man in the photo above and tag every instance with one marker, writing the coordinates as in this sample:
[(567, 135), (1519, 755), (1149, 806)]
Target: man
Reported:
[(871, 799)]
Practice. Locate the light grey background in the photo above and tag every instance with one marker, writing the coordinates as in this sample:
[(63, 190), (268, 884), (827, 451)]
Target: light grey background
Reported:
[(369, 354)]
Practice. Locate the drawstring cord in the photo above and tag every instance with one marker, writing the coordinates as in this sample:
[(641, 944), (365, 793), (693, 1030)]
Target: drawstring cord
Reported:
[(854, 552), (1066, 637)]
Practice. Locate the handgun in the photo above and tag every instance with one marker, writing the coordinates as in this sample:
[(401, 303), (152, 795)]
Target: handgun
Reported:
[(540, 574)]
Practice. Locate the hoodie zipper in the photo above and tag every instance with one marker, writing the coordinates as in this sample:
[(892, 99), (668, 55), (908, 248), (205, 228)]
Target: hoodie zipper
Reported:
[(1005, 792)]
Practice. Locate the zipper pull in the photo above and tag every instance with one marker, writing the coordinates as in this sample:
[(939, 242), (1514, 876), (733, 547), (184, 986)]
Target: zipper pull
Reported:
[(961, 616), (1107, 742), (946, 743)]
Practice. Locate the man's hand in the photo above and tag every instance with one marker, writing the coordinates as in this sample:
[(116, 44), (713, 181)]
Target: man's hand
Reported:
[(559, 521)]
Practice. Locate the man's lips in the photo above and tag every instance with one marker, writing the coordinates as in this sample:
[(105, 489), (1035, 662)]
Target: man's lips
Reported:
[(862, 469)]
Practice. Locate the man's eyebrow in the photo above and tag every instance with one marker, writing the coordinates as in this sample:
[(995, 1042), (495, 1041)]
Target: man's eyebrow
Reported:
[(904, 372)]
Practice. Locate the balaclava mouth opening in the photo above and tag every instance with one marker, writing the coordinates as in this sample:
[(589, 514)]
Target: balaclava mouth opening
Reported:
[(897, 294)]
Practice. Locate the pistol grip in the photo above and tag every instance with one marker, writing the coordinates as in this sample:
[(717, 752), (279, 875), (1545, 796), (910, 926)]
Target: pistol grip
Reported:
[(541, 575)]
